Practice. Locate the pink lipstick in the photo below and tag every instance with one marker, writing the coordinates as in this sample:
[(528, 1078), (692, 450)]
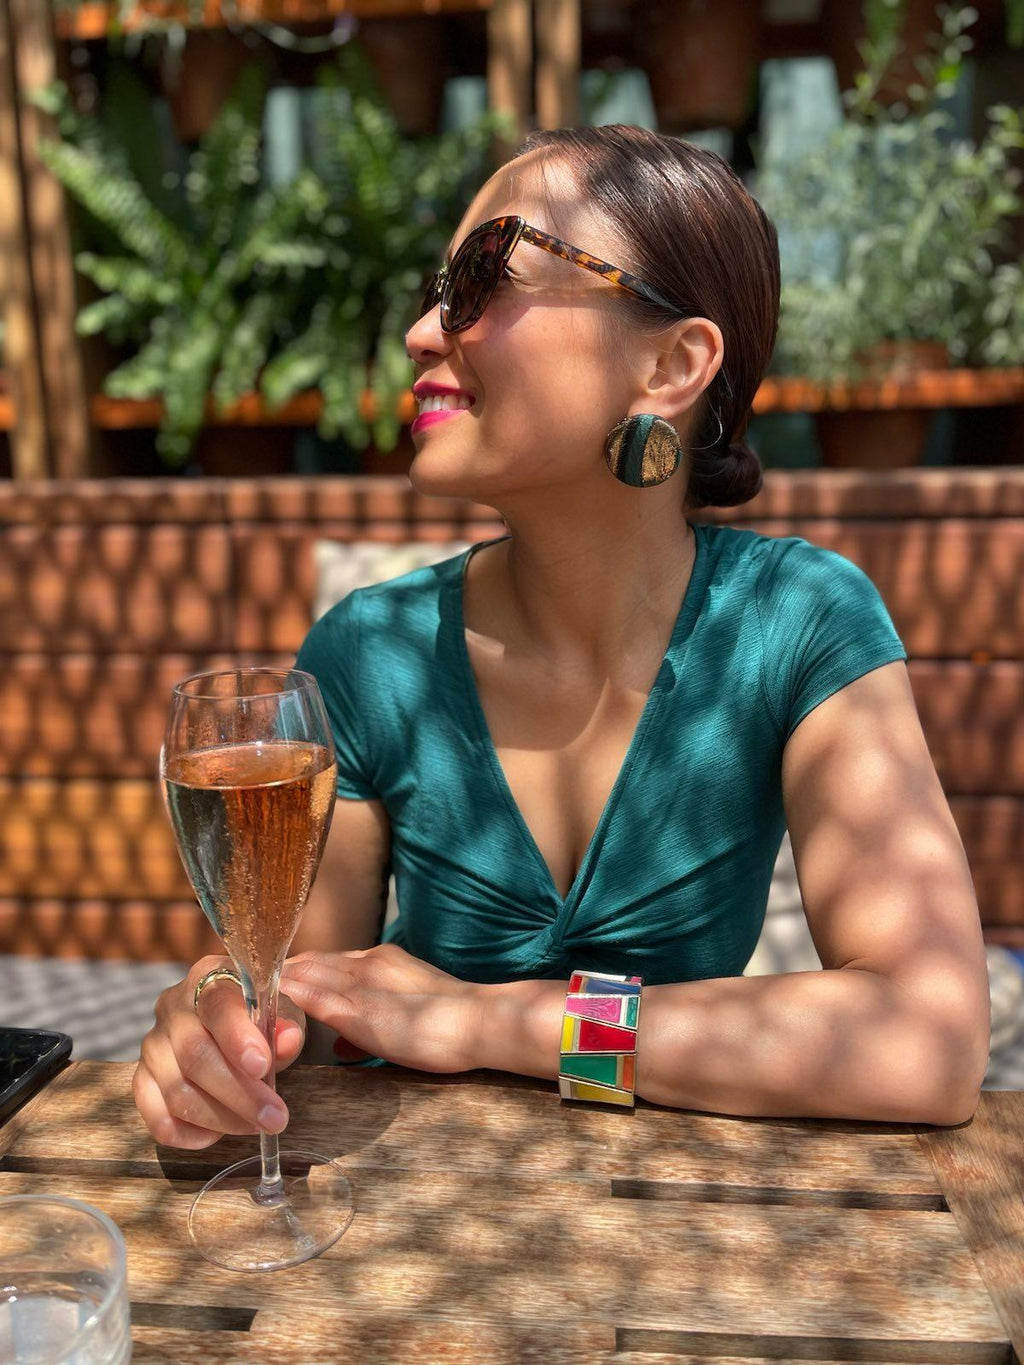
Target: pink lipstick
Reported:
[(428, 419)]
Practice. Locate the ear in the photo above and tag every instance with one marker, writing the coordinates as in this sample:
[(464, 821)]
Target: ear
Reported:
[(680, 363)]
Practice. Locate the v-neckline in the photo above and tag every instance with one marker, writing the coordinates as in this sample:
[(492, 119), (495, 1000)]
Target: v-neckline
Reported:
[(689, 609)]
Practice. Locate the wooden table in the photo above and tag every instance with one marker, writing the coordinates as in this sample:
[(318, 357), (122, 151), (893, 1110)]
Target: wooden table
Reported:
[(497, 1224)]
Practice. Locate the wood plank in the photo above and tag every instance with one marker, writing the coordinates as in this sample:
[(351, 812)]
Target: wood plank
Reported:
[(966, 388), (87, 715), (106, 930), (558, 39), (991, 495), (91, 502), (980, 1170), (361, 507), (393, 1120), (98, 19), (105, 588), (22, 1119), (478, 1200), (49, 242), (6, 403), (304, 410), (509, 65), (973, 719), (30, 455), (341, 1336), (557, 63), (897, 494), (427, 1249)]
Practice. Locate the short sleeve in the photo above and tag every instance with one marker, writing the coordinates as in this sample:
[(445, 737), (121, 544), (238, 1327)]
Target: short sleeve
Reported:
[(331, 652), (823, 624)]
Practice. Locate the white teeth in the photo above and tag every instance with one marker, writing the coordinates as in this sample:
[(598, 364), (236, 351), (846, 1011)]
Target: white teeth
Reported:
[(446, 402)]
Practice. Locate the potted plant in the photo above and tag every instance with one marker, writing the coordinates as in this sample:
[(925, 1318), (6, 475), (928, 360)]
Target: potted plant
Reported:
[(896, 253), (701, 60)]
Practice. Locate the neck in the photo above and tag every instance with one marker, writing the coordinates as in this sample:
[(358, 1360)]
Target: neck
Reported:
[(584, 592)]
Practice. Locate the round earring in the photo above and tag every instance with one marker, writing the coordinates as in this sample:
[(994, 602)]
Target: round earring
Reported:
[(643, 450)]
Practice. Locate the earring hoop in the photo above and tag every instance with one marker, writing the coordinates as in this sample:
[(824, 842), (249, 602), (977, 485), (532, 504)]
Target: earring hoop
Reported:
[(718, 438)]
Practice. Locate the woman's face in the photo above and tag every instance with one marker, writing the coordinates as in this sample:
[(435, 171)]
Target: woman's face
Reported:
[(547, 378)]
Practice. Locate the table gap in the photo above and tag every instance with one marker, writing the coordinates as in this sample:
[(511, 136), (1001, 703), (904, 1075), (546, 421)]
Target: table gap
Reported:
[(647, 1341), (707, 1192)]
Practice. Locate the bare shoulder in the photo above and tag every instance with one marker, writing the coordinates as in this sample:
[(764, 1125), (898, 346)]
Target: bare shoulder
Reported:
[(882, 870)]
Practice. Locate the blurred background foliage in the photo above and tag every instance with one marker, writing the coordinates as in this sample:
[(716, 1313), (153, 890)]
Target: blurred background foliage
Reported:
[(221, 283), (893, 228)]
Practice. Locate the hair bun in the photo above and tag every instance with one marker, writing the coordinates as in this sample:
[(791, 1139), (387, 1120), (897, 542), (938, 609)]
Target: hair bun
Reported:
[(726, 477)]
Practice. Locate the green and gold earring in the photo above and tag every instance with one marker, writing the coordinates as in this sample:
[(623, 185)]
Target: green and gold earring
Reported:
[(643, 450)]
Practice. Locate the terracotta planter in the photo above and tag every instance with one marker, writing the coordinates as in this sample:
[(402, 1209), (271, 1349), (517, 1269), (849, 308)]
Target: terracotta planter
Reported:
[(409, 61), (210, 64), (701, 60), (882, 438)]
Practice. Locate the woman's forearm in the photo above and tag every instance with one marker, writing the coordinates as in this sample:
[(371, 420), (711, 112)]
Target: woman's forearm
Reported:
[(831, 1044)]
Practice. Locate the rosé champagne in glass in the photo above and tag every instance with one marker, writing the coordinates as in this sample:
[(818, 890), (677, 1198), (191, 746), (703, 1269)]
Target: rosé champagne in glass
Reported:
[(248, 776)]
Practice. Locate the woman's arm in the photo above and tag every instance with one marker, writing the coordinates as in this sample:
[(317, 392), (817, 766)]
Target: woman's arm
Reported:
[(897, 1025)]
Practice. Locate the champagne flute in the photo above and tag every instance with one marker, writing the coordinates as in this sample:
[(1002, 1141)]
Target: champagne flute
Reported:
[(248, 775)]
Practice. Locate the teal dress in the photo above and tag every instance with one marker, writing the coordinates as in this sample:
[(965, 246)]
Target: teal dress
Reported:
[(674, 884)]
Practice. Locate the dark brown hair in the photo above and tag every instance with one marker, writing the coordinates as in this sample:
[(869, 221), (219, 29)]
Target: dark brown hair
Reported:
[(699, 237)]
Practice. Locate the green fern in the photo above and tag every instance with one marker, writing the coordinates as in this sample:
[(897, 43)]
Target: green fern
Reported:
[(201, 298), (306, 285)]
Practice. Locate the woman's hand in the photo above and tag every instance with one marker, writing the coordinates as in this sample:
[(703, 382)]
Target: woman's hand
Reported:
[(200, 1073), (385, 1003)]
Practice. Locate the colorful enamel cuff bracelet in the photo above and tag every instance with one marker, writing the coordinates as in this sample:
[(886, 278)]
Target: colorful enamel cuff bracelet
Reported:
[(598, 1061)]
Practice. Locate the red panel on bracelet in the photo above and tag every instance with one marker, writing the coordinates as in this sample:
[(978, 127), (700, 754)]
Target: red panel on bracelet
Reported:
[(595, 1037)]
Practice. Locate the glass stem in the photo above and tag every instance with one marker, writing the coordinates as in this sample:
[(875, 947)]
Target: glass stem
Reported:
[(263, 1013)]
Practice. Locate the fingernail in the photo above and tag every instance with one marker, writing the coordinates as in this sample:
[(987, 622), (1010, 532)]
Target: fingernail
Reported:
[(273, 1117), (254, 1063)]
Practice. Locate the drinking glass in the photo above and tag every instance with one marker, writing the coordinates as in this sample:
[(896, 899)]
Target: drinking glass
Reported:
[(63, 1291), (248, 775)]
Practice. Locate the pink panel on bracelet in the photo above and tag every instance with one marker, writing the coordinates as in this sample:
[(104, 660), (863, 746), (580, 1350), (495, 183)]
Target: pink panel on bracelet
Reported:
[(596, 1007)]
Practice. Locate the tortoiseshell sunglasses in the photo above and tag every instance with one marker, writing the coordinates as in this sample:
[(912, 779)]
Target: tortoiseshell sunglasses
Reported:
[(464, 287)]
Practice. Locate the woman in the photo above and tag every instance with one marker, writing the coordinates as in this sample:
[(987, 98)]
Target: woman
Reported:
[(580, 745)]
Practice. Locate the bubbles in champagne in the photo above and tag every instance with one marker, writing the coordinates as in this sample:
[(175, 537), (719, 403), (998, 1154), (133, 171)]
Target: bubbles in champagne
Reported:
[(251, 820)]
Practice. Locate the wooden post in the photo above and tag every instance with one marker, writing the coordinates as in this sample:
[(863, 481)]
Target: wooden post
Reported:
[(49, 240), (558, 63), (509, 41), (29, 440)]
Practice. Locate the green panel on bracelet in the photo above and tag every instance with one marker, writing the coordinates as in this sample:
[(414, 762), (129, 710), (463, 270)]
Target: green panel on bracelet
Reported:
[(632, 1012), (604, 1070)]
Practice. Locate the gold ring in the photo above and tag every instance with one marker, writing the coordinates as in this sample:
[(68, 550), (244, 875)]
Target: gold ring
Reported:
[(218, 974)]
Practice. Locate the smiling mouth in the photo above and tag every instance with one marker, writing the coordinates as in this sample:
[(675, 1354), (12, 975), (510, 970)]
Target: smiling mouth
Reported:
[(431, 418)]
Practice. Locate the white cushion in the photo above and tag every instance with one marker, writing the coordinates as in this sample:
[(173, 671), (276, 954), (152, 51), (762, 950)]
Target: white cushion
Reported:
[(343, 566)]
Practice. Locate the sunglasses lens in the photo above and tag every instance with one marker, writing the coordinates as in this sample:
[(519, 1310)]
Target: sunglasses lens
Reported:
[(474, 274), (431, 295)]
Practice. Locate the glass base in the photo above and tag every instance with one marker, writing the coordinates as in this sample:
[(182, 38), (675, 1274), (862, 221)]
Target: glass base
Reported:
[(233, 1226)]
